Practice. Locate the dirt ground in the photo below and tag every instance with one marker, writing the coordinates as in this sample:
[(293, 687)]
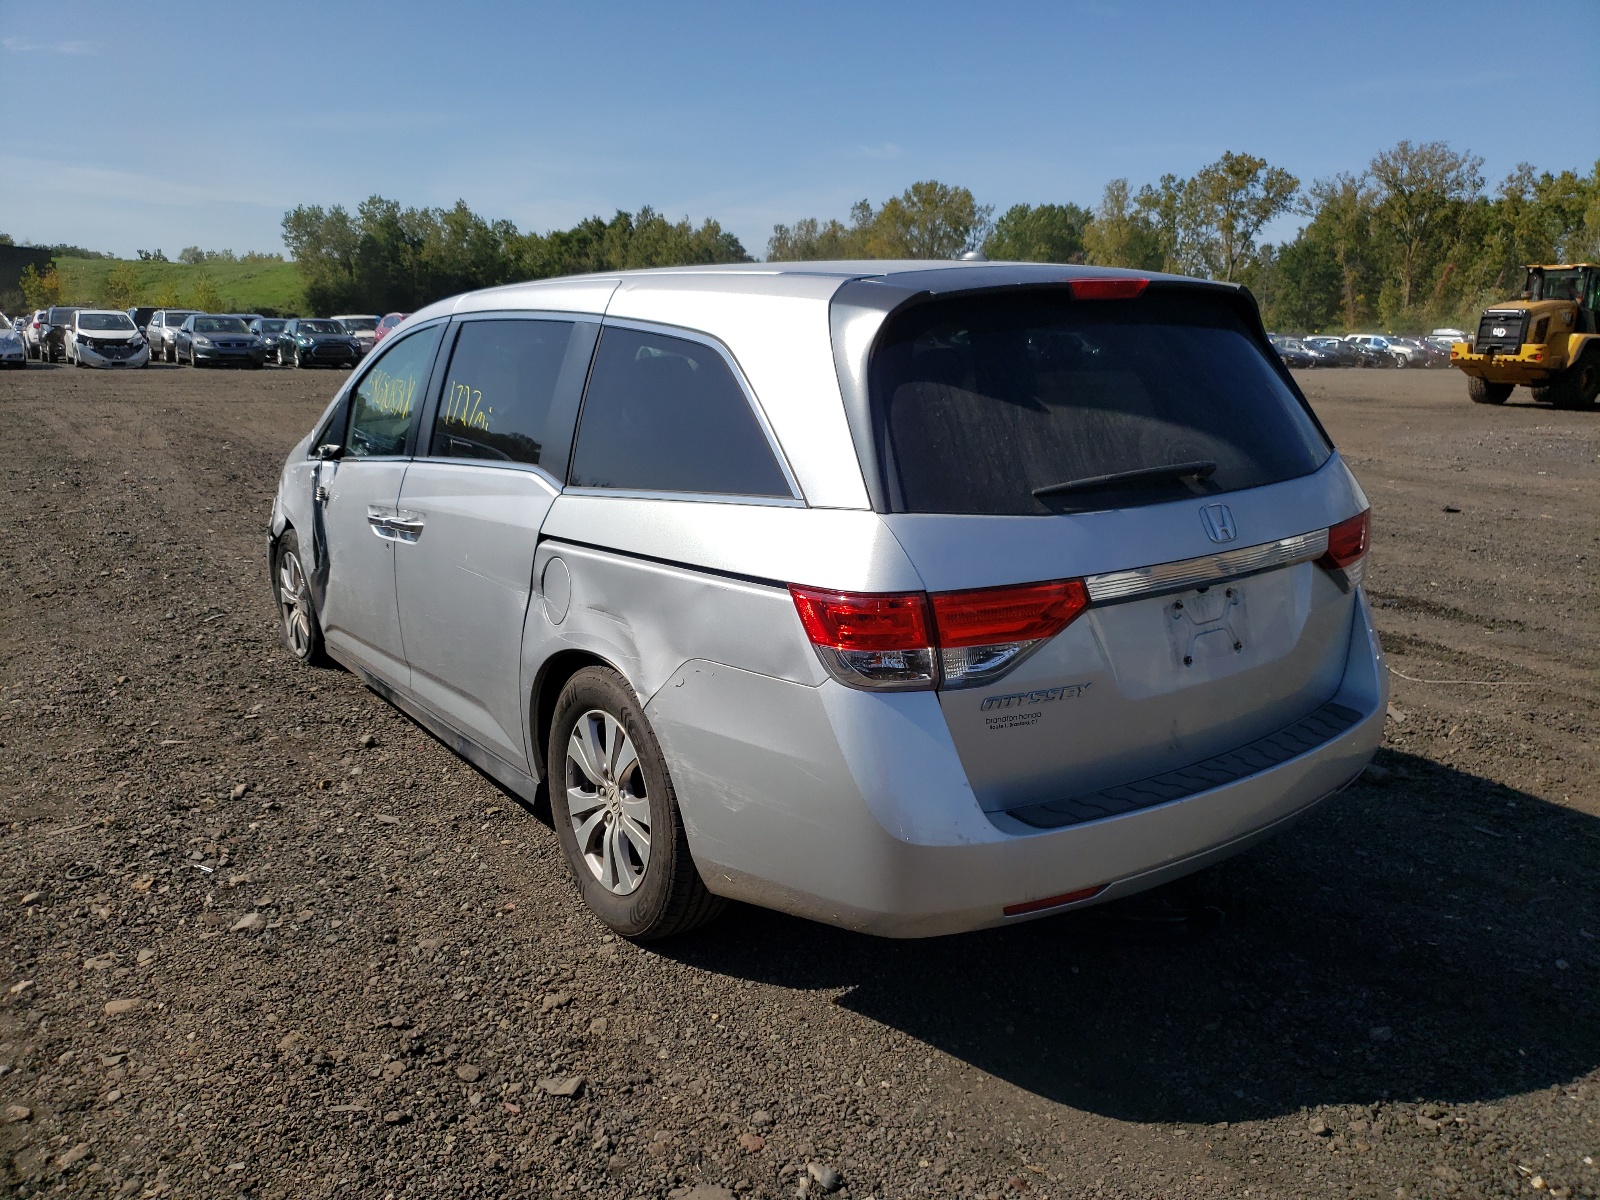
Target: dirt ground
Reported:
[(262, 936)]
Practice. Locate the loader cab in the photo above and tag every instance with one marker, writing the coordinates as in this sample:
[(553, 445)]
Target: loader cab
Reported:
[(1578, 285)]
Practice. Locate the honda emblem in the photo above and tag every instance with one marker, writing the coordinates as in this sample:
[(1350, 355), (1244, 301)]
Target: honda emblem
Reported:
[(1218, 520)]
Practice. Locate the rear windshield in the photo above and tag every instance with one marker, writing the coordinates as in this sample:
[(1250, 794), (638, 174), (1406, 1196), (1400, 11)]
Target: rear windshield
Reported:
[(978, 401)]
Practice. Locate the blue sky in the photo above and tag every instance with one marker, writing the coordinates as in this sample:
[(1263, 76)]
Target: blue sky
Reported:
[(169, 124)]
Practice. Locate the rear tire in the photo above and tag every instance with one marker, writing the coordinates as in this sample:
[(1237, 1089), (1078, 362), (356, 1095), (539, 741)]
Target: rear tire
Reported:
[(1483, 392), (1575, 388), (604, 761)]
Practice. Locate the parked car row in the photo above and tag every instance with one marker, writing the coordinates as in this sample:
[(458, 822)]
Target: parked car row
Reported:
[(92, 337), (13, 350), (1362, 350)]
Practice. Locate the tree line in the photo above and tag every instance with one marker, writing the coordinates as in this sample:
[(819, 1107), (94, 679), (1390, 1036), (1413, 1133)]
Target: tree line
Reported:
[(385, 258), (1414, 239)]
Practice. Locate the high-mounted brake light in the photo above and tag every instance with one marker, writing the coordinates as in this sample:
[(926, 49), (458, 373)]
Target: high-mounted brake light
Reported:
[(1107, 289), (906, 640), (1347, 547)]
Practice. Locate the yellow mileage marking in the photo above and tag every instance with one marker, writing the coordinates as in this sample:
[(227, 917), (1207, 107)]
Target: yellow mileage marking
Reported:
[(464, 406)]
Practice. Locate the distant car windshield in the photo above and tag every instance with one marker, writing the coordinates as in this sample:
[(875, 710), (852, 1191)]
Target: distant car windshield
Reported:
[(321, 327), (988, 405), (105, 321), (1558, 285), (273, 326), (363, 324), (219, 325)]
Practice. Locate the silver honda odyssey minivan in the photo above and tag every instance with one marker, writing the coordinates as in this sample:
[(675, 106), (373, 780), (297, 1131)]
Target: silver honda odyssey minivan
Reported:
[(912, 597)]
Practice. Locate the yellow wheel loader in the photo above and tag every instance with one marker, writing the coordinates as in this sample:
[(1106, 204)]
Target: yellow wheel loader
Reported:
[(1547, 341)]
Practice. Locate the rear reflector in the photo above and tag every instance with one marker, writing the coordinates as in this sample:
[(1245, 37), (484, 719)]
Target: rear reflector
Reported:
[(1107, 289), (1033, 906), (1007, 614)]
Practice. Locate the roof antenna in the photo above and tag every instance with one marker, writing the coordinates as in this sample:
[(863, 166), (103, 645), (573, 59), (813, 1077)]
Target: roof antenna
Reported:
[(974, 256)]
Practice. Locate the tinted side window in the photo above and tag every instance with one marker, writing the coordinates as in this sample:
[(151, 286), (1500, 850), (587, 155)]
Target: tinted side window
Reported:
[(497, 393), (665, 414), (389, 394)]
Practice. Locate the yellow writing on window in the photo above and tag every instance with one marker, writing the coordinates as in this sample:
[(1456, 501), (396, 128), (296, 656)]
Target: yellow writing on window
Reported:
[(463, 405), (391, 395)]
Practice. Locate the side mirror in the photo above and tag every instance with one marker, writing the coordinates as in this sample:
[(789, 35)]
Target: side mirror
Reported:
[(329, 452)]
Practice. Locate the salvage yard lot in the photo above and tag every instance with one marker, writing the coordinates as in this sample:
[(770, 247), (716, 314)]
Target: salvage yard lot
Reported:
[(264, 936)]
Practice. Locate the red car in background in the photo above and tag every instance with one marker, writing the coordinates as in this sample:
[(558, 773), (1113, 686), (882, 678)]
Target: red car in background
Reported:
[(389, 321)]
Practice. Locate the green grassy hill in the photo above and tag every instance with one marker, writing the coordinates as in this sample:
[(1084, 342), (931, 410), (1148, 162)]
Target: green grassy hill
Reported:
[(242, 286)]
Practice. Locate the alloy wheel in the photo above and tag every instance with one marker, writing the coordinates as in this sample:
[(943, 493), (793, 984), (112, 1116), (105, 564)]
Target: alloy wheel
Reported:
[(294, 600), (607, 802)]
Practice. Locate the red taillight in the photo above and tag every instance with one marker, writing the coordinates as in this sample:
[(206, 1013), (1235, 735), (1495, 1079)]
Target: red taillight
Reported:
[(1007, 614), (1107, 289), (1347, 542), (1033, 906), (850, 621), (910, 640)]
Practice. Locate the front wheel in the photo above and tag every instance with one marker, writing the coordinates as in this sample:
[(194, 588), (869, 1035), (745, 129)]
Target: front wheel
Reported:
[(616, 814), (302, 632), (1483, 392)]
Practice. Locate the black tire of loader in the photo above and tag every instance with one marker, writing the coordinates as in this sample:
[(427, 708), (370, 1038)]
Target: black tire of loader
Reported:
[(1575, 388), (1483, 392)]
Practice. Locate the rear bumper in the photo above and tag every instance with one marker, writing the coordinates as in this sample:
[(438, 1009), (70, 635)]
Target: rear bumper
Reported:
[(1531, 365), (853, 808)]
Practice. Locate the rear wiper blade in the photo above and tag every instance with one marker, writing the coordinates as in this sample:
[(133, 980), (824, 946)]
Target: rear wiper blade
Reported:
[(1095, 483)]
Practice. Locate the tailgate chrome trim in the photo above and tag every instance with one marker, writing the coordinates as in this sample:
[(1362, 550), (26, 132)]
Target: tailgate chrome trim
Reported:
[(1207, 569)]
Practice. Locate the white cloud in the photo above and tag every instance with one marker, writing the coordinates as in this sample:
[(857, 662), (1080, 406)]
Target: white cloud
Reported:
[(16, 45), (45, 175)]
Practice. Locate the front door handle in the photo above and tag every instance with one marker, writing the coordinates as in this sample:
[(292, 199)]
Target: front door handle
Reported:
[(380, 519), (407, 526)]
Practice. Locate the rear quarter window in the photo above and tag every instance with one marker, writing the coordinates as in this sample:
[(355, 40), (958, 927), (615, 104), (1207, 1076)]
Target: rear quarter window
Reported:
[(978, 401), (665, 414)]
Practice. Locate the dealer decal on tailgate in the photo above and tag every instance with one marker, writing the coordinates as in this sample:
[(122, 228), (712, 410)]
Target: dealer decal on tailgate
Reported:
[(1026, 700)]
